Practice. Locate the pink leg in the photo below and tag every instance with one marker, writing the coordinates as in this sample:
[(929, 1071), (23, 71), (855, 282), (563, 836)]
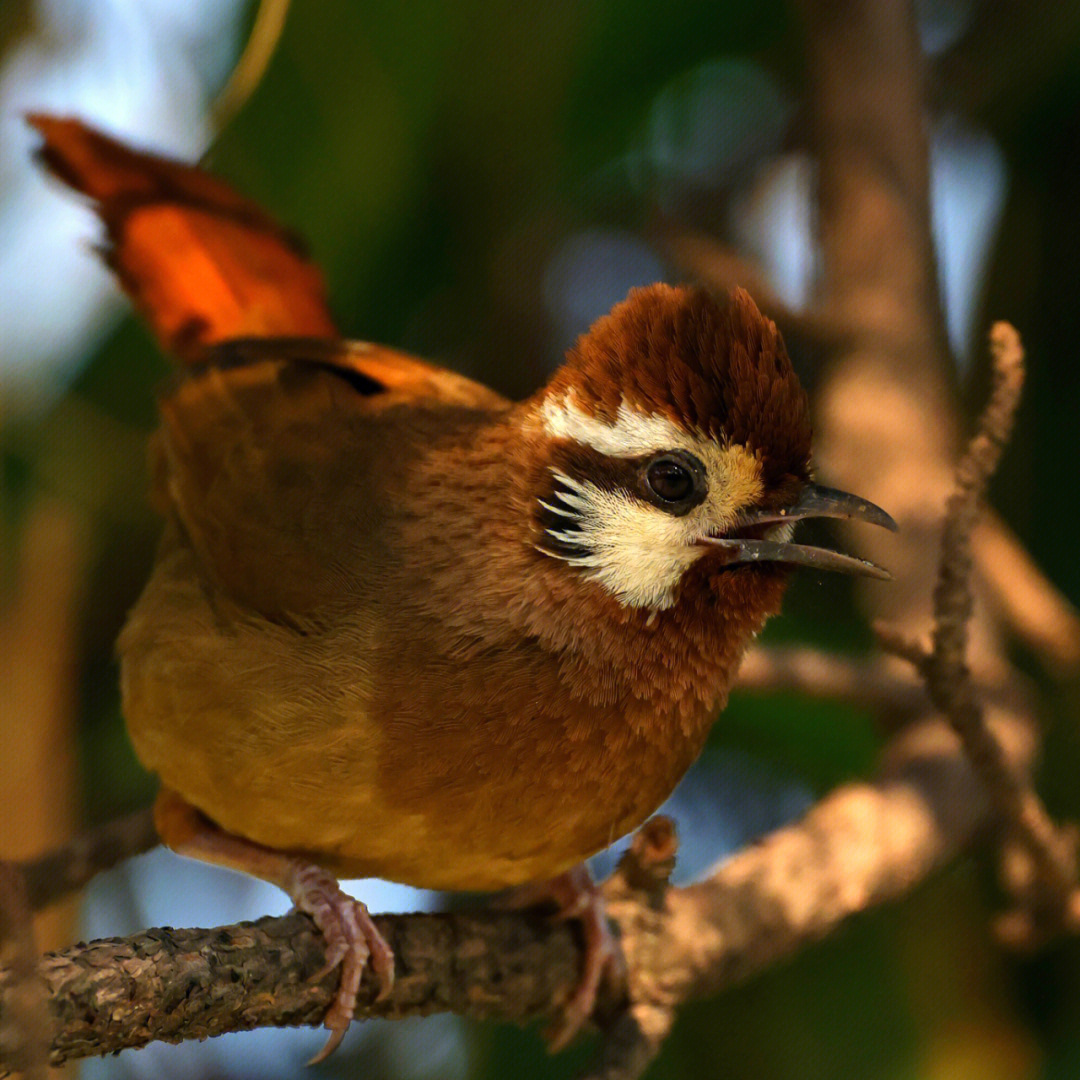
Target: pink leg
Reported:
[(578, 898), (352, 939)]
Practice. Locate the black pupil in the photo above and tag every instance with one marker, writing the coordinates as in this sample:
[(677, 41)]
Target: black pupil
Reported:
[(670, 480)]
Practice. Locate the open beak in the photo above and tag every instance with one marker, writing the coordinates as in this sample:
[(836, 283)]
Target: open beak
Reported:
[(814, 501)]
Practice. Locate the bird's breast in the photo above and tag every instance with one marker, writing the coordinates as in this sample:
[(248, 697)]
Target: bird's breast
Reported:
[(391, 744), (512, 763)]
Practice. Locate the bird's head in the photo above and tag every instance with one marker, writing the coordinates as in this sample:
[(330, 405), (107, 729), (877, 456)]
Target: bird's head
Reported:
[(678, 437)]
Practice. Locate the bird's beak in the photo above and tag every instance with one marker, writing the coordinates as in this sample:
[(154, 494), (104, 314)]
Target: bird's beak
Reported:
[(814, 501)]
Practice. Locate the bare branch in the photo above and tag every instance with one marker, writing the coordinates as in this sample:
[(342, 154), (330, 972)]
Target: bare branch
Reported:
[(815, 673), (67, 869), (862, 846), (1023, 597), (172, 985), (895, 643), (953, 600), (1050, 887), (261, 45)]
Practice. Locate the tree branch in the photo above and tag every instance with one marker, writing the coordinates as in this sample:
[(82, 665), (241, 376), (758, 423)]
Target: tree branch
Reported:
[(58, 873), (1050, 890), (1025, 600), (893, 377), (864, 845), (861, 681)]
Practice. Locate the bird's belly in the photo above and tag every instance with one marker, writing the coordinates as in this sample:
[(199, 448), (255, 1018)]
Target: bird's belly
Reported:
[(454, 778), (502, 795), (487, 833)]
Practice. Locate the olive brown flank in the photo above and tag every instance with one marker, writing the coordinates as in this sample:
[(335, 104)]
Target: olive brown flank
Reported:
[(717, 366)]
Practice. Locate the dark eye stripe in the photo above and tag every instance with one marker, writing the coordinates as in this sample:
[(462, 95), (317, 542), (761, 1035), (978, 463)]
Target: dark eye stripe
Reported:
[(628, 475)]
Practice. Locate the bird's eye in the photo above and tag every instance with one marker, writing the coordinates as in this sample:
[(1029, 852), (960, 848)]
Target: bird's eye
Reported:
[(670, 480), (675, 481)]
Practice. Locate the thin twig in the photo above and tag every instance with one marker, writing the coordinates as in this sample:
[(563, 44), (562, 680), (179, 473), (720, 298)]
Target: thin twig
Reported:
[(863, 845), (896, 643), (948, 680), (56, 874), (261, 45), (953, 600)]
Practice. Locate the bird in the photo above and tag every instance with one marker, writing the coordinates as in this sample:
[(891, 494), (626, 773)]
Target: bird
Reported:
[(400, 626)]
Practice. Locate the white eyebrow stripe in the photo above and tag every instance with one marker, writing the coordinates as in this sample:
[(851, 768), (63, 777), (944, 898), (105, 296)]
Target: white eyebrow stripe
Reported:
[(633, 432)]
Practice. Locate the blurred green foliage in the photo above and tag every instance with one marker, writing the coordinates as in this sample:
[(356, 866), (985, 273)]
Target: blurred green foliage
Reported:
[(434, 153)]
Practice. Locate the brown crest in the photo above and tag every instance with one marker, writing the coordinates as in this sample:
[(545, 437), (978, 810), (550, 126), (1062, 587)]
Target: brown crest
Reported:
[(717, 367)]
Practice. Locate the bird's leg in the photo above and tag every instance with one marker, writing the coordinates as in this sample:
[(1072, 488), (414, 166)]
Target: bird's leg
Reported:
[(352, 939), (579, 898)]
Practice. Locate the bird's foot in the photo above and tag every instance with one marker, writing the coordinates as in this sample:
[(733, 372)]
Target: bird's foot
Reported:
[(352, 941), (578, 898)]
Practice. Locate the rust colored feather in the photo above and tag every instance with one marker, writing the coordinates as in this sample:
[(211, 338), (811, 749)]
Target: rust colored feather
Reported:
[(201, 263), (717, 366)]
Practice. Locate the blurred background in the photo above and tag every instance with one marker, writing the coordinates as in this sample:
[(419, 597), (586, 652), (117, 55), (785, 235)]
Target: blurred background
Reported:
[(479, 181)]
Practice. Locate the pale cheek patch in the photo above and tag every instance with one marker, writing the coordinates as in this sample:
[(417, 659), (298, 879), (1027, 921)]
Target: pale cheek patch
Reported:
[(638, 553), (635, 550)]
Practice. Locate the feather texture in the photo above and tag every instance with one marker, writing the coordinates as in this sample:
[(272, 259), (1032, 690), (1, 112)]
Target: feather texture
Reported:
[(351, 646)]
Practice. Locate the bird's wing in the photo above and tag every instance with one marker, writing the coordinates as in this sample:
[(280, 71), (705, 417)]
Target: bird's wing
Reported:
[(279, 459)]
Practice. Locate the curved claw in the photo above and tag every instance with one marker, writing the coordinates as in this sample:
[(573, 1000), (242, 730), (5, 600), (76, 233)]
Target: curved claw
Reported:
[(602, 953), (578, 898), (352, 941), (331, 1044)]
